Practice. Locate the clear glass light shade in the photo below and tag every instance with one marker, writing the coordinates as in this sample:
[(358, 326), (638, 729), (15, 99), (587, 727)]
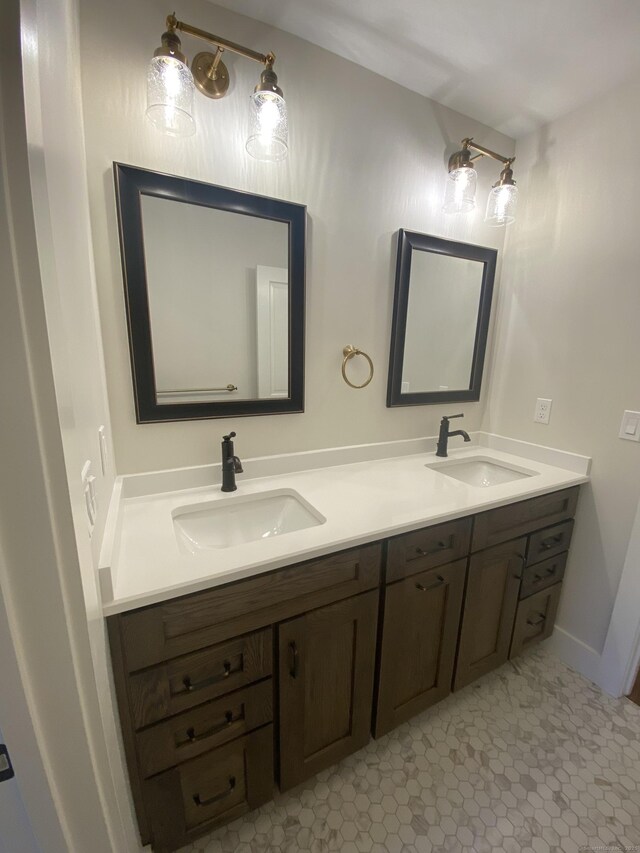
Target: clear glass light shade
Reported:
[(268, 127), (170, 96), (501, 205), (460, 194)]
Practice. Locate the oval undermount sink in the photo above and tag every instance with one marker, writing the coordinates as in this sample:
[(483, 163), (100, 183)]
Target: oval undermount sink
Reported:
[(481, 471), (245, 518)]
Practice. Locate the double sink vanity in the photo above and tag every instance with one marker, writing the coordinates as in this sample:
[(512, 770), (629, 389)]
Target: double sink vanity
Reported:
[(261, 637)]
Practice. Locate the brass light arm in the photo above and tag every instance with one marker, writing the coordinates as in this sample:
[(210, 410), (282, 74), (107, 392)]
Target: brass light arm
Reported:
[(174, 24), (486, 152)]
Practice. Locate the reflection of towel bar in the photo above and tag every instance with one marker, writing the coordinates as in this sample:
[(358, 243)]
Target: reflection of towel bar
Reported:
[(199, 390)]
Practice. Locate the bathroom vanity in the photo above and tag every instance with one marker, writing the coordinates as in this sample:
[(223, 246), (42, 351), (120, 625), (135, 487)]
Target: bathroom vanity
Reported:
[(271, 677)]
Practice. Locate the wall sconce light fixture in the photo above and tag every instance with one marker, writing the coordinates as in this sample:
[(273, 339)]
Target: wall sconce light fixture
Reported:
[(460, 195), (171, 84)]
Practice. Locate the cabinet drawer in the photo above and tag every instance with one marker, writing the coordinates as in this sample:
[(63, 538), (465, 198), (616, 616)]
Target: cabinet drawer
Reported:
[(203, 728), (190, 680), (508, 522), (182, 625), (423, 549), (535, 618), (542, 575), (211, 790), (549, 542)]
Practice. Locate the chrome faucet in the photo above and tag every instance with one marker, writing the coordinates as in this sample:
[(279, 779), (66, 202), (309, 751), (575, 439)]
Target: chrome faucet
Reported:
[(445, 435), (231, 465)]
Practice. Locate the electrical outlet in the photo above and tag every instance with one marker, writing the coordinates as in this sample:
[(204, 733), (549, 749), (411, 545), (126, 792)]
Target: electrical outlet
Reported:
[(542, 412)]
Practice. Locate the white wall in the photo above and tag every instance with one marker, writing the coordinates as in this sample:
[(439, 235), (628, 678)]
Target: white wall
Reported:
[(52, 590), (367, 157), (568, 329), (203, 299), (442, 316)]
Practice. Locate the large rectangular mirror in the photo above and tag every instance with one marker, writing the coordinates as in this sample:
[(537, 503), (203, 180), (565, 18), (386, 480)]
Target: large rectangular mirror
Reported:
[(440, 320), (214, 286)]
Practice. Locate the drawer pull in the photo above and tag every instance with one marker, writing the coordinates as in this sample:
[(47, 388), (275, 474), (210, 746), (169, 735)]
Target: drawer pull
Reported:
[(539, 621), (229, 720), (549, 573), (551, 542), (438, 583), (441, 545), (189, 686), (293, 670), (218, 797)]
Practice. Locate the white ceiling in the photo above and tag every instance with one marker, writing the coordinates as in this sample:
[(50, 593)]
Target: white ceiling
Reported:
[(513, 64)]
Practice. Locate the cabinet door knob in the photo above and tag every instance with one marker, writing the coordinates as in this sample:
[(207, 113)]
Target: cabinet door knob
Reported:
[(522, 559), (293, 669)]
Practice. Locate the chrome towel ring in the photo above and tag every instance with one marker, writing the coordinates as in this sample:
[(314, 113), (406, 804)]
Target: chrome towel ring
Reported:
[(348, 353)]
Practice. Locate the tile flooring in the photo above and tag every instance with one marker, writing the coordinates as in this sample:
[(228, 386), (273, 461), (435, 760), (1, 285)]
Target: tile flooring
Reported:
[(531, 758)]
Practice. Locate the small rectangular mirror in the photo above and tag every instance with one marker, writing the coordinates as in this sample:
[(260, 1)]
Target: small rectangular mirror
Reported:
[(214, 285), (440, 320)]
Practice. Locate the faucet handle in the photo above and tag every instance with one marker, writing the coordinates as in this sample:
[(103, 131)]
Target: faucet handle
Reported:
[(229, 437), (451, 417)]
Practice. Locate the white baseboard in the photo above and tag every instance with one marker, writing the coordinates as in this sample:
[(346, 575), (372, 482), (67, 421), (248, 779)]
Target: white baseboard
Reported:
[(576, 654)]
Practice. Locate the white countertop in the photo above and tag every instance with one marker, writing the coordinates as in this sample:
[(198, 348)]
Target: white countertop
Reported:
[(361, 502)]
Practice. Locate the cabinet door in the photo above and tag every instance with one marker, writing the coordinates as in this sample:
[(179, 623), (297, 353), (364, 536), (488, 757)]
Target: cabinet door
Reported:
[(326, 665), (489, 610), (419, 636)]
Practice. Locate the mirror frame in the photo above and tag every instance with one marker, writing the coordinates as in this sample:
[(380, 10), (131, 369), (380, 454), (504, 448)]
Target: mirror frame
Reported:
[(407, 242), (132, 182)]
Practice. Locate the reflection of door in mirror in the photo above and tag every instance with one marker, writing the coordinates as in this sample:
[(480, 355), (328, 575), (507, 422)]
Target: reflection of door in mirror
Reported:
[(272, 291), (442, 315), (204, 310)]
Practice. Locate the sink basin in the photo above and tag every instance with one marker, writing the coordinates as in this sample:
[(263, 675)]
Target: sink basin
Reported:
[(481, 471), (246, 518)]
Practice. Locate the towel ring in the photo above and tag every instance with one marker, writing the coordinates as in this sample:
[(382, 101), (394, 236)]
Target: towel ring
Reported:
[(349, 352)]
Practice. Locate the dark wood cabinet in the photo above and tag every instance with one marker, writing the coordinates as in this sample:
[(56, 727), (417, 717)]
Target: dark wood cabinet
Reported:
[(544, 574), (164, 631), (490, 604), (535, 619), (423, 549), (419, 638), (549, 542), (518, 519), (220, 786), (222, 691), (326, 668)]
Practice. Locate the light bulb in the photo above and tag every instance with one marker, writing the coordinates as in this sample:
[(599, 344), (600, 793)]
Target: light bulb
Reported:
[(170, 96), (501, 205), (268, 127), (460, 194)]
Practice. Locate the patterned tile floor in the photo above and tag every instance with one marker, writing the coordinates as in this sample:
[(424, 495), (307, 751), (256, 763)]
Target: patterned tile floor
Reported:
[(531, 758)]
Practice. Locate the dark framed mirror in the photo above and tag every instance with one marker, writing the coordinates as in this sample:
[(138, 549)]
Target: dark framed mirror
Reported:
[(214, 284), (441, 313)]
